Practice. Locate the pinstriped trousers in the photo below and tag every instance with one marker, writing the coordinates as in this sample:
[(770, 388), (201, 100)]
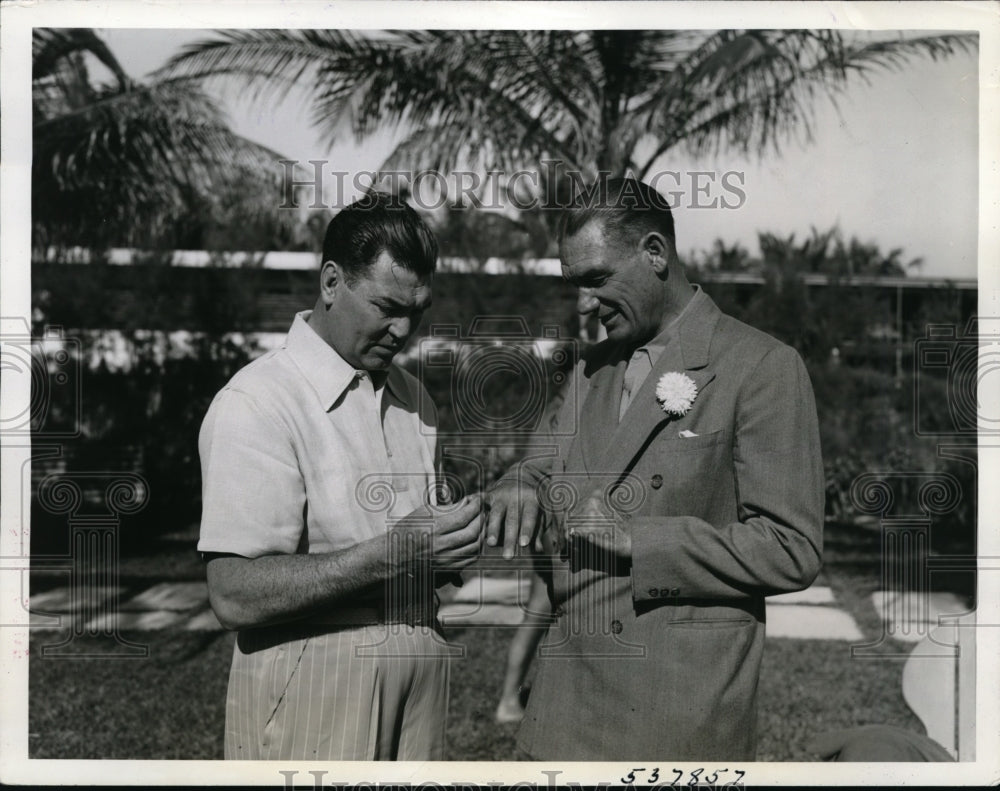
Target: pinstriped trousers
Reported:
[(368, 693)]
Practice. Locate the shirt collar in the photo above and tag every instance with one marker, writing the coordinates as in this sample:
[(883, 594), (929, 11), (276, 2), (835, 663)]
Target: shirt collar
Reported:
[(327, 372), (654, 348)]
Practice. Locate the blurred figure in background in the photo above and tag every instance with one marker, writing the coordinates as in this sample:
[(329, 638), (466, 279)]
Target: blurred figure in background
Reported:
[(529, 633)]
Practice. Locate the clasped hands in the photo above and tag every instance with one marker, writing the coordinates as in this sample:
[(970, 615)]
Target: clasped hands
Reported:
[(517, 519), (450, 536)]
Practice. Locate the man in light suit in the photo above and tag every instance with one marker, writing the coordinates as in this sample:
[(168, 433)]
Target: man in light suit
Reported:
[(690, 458)]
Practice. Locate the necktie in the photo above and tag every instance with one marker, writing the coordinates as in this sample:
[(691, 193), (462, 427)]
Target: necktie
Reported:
[(635, 374)]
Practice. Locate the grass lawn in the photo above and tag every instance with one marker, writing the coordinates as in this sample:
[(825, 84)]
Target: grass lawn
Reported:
[(170, 704)]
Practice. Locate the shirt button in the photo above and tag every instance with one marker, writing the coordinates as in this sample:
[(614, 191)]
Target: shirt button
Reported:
[(616, 627), (656, 481), (559, 611)]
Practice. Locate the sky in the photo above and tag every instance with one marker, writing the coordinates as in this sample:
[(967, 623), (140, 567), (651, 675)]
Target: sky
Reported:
[(894, 163)]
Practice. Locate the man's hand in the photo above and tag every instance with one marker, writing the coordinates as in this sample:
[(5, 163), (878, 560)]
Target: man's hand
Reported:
[(595, 522), (514, 513), (448, 536), (252, 592)]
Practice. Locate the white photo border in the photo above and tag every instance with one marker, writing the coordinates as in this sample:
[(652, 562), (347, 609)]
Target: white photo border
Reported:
[(15, 296)]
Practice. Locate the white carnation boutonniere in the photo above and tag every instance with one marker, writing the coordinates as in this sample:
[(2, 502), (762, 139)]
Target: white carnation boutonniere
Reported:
[(676, 392)]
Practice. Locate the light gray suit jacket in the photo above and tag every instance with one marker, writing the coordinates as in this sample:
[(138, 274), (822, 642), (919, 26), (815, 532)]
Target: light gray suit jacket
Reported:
[(659, 659)]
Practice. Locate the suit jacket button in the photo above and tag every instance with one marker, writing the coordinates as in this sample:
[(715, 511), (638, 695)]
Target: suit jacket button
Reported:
[(675, 591), (654, 592), (616, 627), (657, 481)]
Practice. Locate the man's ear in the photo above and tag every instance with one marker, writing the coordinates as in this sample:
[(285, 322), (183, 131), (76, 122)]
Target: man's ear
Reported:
[(656, 252), (330, 279)]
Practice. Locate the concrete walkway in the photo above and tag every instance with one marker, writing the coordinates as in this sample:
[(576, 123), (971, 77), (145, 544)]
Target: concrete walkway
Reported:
[(812, 614), (912, 616)]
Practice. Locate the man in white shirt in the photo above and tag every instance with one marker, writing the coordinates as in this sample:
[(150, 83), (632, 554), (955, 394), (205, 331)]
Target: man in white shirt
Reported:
[(320, 523)]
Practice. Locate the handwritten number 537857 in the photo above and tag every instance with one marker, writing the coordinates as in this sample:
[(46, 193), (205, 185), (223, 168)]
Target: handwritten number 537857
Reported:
[(697, 777)]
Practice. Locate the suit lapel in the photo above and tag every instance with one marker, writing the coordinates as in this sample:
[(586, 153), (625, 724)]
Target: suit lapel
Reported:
[(687, 352)]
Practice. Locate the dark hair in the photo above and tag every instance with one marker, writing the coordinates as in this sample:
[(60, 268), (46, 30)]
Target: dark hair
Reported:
[(378, 222), (623, 207)]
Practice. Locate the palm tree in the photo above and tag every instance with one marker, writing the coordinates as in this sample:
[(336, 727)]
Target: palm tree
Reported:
[(596, 101), (865, 258), (132, 164), (723, 257)]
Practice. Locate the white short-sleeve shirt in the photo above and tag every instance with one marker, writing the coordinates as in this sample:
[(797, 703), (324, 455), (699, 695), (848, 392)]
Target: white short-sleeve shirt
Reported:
[(300, 453)]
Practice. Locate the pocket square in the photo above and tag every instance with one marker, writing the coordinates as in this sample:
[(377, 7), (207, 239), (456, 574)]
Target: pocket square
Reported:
[(686, 434)]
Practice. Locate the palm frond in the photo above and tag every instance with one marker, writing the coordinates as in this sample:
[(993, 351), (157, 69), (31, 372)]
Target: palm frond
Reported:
[(753, 90), (587, 98), (50, 47), (124, 165), (414, 80)]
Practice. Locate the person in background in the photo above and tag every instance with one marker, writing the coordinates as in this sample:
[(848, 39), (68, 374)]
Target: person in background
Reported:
[(536, 617)]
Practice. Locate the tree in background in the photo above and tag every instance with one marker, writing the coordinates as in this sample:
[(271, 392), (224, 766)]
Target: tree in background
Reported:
[(566, 105), (605, 100), (723, 257), (129, 164), (815, 322), (121, 163), (848, 337)]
